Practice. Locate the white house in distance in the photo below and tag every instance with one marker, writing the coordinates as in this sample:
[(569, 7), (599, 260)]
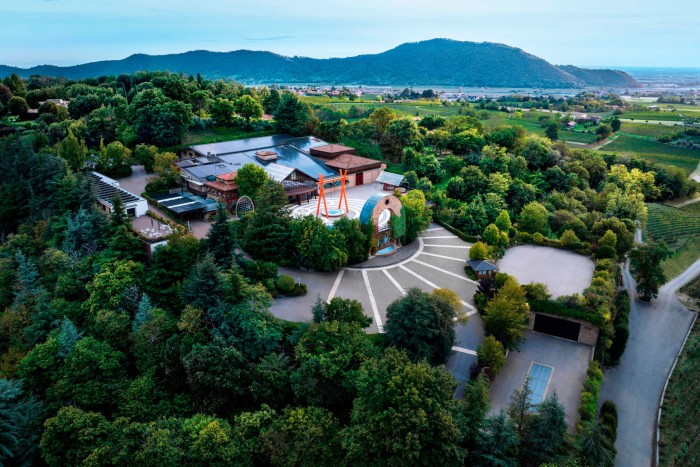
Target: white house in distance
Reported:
[(106, 189)]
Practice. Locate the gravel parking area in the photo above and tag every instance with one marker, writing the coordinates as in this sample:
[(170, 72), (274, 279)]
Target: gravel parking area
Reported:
[(564, 272)]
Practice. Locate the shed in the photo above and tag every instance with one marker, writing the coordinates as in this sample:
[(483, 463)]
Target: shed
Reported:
[(483, 267)]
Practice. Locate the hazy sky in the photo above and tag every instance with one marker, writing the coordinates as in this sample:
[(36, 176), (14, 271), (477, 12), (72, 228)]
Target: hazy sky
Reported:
[(586, 33)]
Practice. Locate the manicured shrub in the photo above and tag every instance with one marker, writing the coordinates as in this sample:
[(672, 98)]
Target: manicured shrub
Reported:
[(285, 284), (479, 250), (608, 415), (605, 252), (537, 238), (491, 354), (621, 330)]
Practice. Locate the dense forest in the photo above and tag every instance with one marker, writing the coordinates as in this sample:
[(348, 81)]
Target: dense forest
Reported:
[(107, 358), (433, 62)]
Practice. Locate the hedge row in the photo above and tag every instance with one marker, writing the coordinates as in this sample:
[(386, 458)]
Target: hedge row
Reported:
[(566, 310), (582, 248), (590, 393), (457, 232), (621, 330)]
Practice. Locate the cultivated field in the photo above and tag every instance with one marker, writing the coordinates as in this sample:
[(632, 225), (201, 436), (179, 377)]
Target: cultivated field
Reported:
[(683, 158), (680, 229), (650, 130)]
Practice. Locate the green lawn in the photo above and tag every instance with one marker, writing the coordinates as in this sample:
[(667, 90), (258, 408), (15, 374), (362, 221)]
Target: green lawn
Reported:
[(682, 258), (680, 430), (412, 109), (683, 158), (577, 137)]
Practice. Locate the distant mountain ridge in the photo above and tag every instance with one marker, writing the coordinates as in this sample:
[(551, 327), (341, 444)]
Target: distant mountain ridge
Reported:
[(435, 62)]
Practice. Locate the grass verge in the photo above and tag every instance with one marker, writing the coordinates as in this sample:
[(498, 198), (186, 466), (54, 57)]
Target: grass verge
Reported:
[(679, 444)]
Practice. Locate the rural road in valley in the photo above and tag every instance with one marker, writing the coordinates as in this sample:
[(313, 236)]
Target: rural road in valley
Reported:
[(657, 331)]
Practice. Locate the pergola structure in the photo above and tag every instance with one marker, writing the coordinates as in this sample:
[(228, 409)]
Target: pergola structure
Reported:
[(322, 180)]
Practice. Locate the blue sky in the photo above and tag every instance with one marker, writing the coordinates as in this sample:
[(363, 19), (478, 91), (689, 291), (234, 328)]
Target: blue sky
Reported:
[(586, 33)]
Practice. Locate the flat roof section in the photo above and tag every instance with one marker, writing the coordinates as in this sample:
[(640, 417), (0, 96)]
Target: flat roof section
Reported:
[(390, 178), (241, 145)]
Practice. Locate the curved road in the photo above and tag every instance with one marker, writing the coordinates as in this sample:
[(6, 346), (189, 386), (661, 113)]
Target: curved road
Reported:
[(657, 332)]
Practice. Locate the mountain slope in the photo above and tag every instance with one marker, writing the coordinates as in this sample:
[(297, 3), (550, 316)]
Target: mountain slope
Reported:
[(433, 62)]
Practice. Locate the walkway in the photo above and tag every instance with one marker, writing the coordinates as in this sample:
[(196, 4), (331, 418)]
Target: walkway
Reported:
[(657, 331), (437, 262)]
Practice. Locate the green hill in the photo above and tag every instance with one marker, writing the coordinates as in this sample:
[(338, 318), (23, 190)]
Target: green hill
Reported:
[(429, 63)]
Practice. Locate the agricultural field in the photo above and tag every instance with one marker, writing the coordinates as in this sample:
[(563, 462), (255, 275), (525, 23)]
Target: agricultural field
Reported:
[(675, 226), (680, 435), (653, 115), (683, 158), (649, 129), (578, 137), (417, 109), (680, 229)]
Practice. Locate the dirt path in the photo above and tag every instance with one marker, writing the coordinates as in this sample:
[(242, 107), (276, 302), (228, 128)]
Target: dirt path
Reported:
[(596, 146)]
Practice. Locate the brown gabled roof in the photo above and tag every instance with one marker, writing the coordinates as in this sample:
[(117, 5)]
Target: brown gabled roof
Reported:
[(351, 161), (331, 150), (227, 177), (220, 186)]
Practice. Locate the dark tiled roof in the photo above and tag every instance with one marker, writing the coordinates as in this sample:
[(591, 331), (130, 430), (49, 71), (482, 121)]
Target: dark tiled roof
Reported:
[(482, 265)]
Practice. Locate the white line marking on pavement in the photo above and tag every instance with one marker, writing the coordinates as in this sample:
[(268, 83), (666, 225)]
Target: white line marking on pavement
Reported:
[(461, 260), (445, 236), (377, 318), (435, 228), (393, 281), (473, 310), (463, 350), (334, 289), (447, 246), (466, 279)]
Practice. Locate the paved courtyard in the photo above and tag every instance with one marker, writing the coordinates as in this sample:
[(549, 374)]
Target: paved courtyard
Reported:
[(568, 360), (136, 184), (438, 262), (564, 272)]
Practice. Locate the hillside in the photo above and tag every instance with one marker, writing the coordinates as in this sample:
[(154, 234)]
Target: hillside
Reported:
[(433, 62)]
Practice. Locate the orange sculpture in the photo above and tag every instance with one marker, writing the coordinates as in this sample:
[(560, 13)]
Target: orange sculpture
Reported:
[(322, 192)]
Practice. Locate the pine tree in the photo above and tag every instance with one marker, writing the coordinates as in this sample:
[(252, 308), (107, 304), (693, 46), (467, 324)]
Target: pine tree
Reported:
[(520, 408), (68, 337), (496, 443), (27, 285), (318, 310), (118, 216), (144, 313), (546, 437), (204, 286), (220, 242)]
